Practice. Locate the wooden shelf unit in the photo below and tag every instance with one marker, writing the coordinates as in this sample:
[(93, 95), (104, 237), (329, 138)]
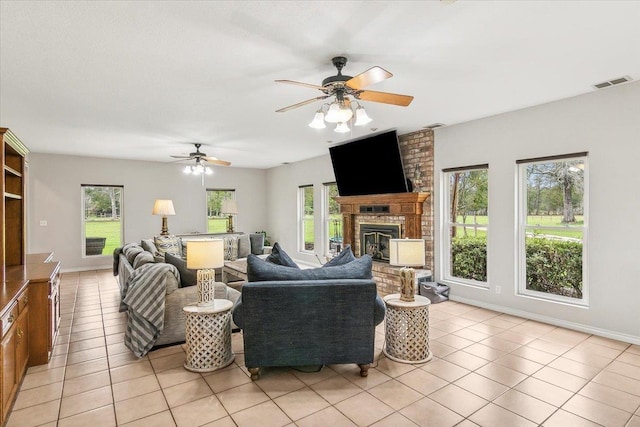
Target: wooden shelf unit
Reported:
[(14, 293)]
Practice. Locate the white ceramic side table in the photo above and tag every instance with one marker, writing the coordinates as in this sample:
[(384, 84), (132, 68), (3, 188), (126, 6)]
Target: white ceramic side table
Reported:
[(407, 329), (208, 336)]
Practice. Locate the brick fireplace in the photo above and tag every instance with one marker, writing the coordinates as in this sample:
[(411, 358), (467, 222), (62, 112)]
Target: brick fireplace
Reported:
[(413, 212)]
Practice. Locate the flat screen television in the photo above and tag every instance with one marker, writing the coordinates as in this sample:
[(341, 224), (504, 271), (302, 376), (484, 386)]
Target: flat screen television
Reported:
[(369, 165)]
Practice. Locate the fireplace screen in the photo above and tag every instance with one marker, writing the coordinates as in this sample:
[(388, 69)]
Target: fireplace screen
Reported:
[(374, 239)]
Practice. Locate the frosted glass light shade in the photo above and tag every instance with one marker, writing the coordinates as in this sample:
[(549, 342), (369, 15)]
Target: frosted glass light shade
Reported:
[(203, 254), (342, 128), (362, 118), (407, 252), (338, 113), (163, 207), (318, 121)]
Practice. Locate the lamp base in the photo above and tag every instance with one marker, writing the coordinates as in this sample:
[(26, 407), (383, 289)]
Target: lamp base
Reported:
[(407, 284), (206, 287), (230, 224), (165, 228)]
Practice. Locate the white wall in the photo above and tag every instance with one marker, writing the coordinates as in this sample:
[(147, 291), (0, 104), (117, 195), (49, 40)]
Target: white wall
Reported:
[(54, 195), (282, 187), (605, 123)]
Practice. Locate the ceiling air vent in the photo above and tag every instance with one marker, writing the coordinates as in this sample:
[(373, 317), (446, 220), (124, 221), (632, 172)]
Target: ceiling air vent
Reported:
[(434, 126), (613, 82)]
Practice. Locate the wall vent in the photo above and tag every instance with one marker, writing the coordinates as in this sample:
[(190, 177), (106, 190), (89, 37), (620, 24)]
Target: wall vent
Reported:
[(434, 126), (613, 82)]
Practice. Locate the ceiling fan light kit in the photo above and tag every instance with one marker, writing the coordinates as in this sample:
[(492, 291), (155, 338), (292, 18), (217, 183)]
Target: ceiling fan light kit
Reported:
[(347, 91), (201, 159)]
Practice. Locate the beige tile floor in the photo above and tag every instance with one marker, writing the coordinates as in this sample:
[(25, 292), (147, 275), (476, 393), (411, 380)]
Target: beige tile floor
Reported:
[(489, 369)]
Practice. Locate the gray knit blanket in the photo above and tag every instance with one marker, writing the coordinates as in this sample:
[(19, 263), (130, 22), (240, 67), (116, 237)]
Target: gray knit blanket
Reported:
[(144, 302)]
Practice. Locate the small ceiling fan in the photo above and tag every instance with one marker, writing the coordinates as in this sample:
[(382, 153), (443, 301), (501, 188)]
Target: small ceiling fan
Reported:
[(342, 86), (201, 158)]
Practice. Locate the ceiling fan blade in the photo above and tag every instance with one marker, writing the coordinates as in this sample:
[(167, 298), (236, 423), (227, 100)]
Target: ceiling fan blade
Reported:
[(291, 82), (216, 161), (385, 97), (181, 157), (369, 77), (300, 104)]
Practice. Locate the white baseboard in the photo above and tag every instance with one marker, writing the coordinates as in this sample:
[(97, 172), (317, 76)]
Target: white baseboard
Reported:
[(633, 339)]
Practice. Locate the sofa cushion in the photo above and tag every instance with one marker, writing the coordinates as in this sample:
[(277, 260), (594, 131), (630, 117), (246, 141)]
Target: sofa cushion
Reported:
[(260, 271), (230, 248), (142, 258), (244, 246), (280, 257), (187, 277), (131, 251), (345, 256), (149, 246), (168, 244), (257, 243)]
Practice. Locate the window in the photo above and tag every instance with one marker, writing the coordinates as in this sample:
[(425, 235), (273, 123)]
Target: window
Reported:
[(306, 236), (552, 225), (332, 219), (102, 226), (217, 221), (466, 221)]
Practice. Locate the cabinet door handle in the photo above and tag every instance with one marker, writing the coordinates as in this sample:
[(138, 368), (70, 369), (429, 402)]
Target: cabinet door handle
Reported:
[(10, 319)]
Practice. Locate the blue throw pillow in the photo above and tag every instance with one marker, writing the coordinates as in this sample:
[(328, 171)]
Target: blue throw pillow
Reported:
[(345, 256), (187, 277), (280, 257), (259, 270)]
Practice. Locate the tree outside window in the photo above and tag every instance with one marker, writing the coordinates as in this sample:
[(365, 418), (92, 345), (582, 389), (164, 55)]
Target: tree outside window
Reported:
[(467, 224), (553, 227), (332, 219), (305, 216), (102, 226)]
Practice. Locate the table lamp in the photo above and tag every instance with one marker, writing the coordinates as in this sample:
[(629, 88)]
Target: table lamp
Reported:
[(230, 207), (164, 208), (407, 253), (205, 256)]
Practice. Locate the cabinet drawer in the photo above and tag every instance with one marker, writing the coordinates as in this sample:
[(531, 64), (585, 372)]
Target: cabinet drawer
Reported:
[(9, 318), (23, 300)]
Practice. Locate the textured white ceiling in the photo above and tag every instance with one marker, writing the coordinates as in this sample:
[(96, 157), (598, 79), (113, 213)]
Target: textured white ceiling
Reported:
[(143, 79)]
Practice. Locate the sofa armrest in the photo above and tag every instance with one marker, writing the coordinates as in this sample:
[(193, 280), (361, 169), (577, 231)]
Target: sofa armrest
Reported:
[(266, 250), (379, 310)]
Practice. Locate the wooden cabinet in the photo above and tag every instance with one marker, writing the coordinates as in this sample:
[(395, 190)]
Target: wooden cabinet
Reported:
[(13, 206), (14, 292), (14, 343), (44, 301)]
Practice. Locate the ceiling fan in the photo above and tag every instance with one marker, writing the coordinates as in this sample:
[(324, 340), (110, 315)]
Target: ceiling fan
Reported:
[(201, 158), (343, 87)]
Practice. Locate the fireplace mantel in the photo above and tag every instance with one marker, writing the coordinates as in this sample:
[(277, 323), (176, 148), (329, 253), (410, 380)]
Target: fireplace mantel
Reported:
[(409, 205)]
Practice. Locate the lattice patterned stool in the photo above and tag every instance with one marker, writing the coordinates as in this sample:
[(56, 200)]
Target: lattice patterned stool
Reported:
[(407, 329), (208, 336)]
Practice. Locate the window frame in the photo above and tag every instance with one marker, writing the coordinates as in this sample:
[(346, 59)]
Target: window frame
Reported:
[(301, 219), (206, 217), (326, 215), (447, 224), (83, 235), (522, 227)]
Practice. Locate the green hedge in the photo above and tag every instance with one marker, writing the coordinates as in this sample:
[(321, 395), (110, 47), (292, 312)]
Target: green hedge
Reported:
[(469, 258), (553, 266)]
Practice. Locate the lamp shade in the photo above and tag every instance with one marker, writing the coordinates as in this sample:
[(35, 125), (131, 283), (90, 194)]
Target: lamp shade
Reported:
[(229, 206), (202, 254), (163, 207), (407, 252)]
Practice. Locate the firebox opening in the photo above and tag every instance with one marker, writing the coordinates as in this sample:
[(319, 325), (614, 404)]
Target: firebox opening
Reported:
[(374, 239)]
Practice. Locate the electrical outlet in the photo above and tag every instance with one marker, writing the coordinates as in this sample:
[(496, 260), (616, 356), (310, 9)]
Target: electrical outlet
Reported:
[(498, 289), (43, 222)]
